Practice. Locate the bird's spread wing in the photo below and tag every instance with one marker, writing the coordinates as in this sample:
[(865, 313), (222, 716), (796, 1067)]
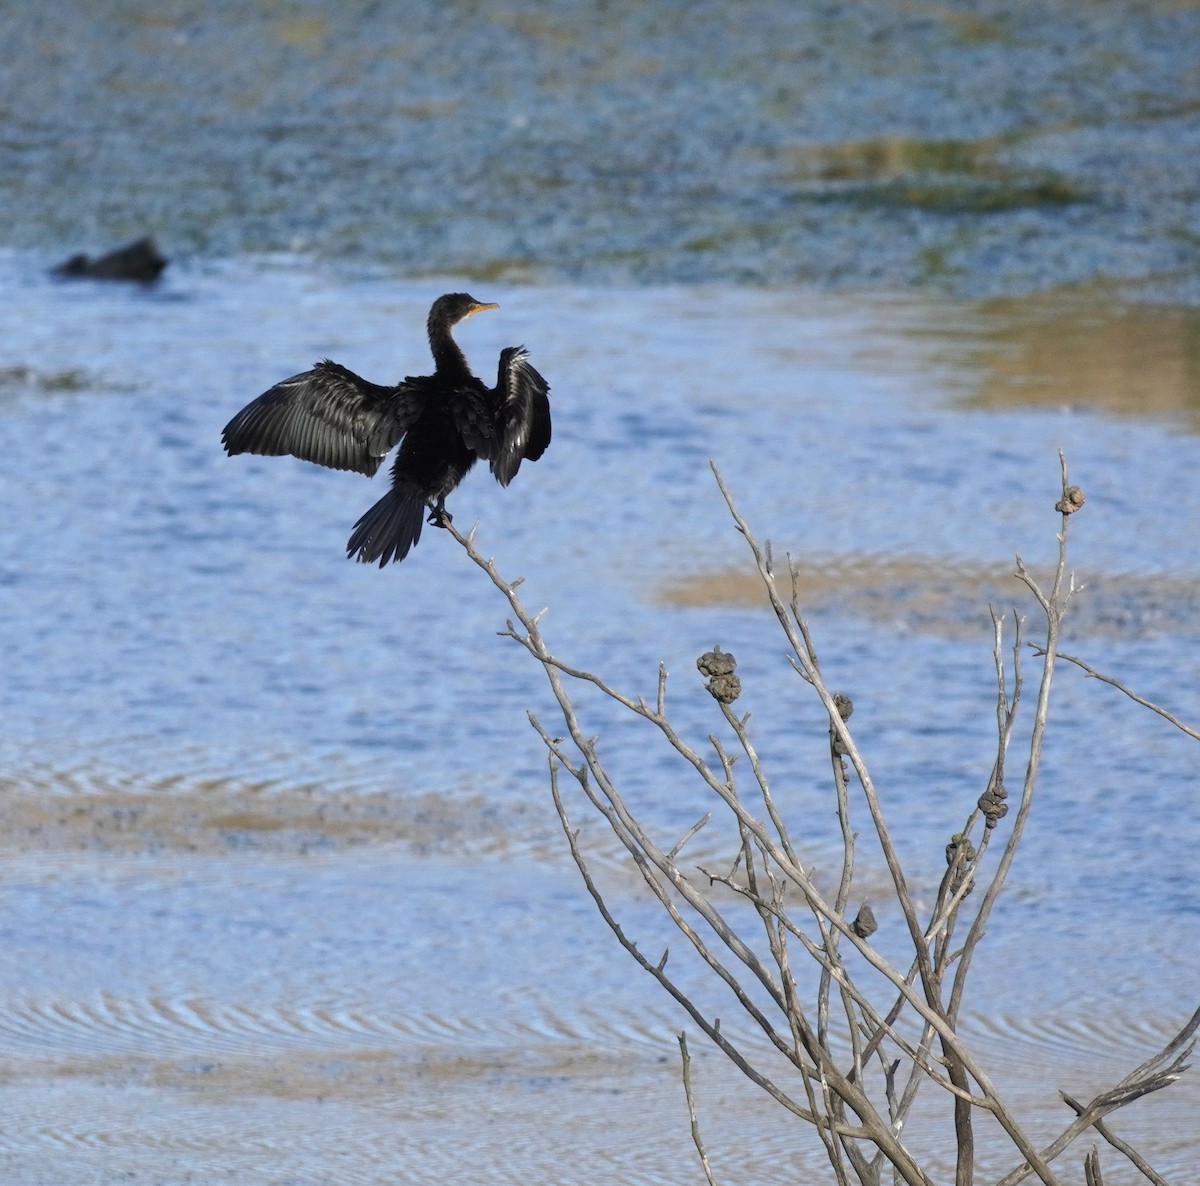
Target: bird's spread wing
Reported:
[(522, 414), (328, 415)]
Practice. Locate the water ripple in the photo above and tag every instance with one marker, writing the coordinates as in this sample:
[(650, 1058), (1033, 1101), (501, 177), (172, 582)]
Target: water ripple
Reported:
[(281, 892)]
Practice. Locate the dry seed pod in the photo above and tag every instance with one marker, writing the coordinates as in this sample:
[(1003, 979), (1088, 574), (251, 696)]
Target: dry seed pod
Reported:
[(993, 806), (864, 924), (716, 662), (1073, 498), (723, 685)]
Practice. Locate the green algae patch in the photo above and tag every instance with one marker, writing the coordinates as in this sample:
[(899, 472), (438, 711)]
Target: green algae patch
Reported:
[(951, 176)]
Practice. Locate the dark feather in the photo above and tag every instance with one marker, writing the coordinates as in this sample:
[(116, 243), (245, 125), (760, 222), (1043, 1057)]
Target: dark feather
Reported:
[(523, 414), (329, 416), (389, 529), (470, 405)]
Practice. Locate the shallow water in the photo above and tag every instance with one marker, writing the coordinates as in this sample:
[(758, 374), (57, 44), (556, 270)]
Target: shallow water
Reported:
[(282, 892), (979, 148)]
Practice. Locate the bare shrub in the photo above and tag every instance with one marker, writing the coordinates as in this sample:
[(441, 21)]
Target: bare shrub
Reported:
[(851, 1060)]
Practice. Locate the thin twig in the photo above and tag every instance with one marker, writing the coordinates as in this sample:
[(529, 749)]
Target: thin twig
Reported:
[(1149, 1077), (738, 725), (1092, 673), (841, 899), (697, 1140), (712, 1030), (643, 852), (1142, 1165), (679, 844)]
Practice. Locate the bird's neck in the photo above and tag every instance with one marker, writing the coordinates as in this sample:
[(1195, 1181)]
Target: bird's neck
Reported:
[(447, 356)]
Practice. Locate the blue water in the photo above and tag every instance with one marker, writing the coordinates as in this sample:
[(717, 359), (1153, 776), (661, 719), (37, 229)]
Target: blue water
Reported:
[(177, 620), (282, 894)]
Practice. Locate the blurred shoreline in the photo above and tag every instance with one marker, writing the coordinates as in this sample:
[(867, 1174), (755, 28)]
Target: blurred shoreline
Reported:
[(1002, 150)]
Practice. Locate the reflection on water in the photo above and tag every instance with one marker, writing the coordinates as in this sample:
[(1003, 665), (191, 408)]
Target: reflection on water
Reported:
[(281, 892), (1139, 360)]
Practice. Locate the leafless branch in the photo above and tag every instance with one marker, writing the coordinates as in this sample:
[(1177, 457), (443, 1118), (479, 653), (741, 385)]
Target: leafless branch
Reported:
[(1092, 673), (1142, 1165), (697, 1140), (849, 1072)]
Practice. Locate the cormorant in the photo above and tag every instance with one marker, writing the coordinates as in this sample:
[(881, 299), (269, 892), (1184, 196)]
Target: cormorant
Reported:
[(444, 423)]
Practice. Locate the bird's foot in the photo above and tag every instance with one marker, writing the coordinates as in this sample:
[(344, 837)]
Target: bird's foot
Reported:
[(439, 516)]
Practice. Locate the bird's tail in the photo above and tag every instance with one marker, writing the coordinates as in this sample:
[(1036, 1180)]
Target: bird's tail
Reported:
[(390, 528)]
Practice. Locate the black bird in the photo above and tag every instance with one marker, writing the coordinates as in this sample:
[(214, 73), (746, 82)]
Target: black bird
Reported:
[(444, 423)]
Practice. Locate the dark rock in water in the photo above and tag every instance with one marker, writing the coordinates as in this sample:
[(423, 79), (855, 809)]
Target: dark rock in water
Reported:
[(136, 261)]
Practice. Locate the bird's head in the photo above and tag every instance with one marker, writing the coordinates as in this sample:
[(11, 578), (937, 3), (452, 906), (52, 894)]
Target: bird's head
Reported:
[(450, 309)]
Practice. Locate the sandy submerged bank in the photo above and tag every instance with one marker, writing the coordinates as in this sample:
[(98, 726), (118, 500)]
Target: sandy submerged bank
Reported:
[(267, 1017), (944, 597), (59, 813)]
